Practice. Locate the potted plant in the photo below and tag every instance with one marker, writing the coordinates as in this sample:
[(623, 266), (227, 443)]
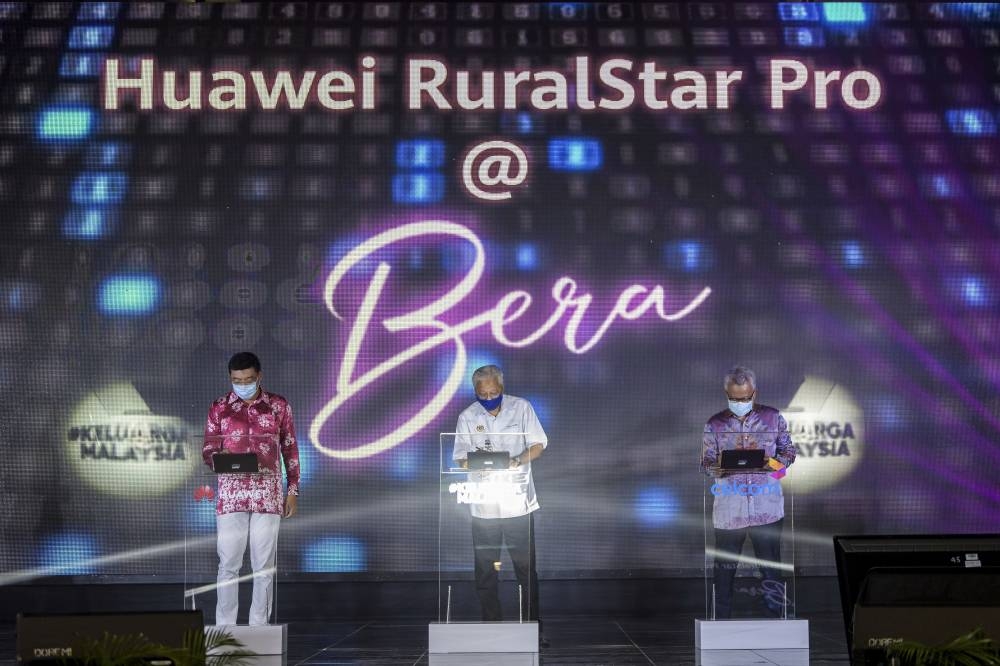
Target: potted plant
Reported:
[(972, 649), (215, 647)]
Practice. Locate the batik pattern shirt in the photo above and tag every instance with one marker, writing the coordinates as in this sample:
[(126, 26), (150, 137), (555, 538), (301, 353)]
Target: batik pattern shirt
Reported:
[(264, 427), (745, 500)]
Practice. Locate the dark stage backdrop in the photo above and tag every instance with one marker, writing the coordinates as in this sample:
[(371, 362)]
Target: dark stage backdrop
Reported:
[(840, 238)]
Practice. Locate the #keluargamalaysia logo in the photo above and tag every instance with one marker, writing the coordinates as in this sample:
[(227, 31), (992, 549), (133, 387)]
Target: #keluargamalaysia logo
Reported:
[(120, 448)]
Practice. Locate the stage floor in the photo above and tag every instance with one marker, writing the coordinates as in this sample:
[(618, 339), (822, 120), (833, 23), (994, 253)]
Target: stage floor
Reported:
[(665, 641)]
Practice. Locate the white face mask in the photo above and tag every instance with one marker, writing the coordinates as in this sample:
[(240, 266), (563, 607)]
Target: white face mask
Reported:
[(741, 407), (245, 391)]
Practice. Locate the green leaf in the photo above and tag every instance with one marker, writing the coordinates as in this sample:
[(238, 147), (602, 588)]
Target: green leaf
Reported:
[(113, 650), (972, 649), (135, 650)]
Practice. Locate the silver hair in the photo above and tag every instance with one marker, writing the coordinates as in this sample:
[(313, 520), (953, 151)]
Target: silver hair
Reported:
[(487, 372), (740, 376)]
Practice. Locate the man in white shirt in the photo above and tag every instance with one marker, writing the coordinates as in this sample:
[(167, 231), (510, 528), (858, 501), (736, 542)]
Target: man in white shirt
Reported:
[(498, 422)]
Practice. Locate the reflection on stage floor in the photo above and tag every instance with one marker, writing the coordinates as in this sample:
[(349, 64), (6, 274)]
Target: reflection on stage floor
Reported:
[(665, 640)]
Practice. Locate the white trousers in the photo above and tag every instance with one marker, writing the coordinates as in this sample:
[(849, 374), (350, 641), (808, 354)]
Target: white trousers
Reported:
[(233, 529)]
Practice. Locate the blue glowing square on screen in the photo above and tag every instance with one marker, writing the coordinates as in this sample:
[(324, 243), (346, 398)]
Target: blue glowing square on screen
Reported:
[(844, 12), (575, 154), (655, 506), (65, 123), (19, 296), (971, 122), (129, 295), (259, 187), (417, 188), (477, 358), (308, 459), (542, 407), (798, 11), (339, 249), (81, 65), (888, 412), (973, 11), (406, 463), (335, 554), (689, 256), (527, 256), (415, 259), (457, 258), (518, 123), (524, 123), (200, 517), (941, 186), (108, 155), (420, 154), (68, 553), (804, 37), (98, 11), (852, 255), (91, 37), (568, 10), (974, 291), (11, 10), (99, 187), (89, 223)]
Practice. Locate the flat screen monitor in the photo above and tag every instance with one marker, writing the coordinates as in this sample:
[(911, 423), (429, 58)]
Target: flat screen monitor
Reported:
[(858, 555)]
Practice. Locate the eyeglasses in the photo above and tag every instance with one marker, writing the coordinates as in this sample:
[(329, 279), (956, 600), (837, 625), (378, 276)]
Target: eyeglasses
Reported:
[(491, 396), (245, 381), (750, 399)]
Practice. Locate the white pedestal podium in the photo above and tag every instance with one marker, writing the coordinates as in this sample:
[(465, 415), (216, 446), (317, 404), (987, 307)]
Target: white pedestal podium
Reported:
[(268, 639), (751, 634), (493, 643)]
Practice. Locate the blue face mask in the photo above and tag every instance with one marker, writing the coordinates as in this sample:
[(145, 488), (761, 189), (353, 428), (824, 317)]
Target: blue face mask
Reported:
[(490, 405), (740, 409), (245, 391)]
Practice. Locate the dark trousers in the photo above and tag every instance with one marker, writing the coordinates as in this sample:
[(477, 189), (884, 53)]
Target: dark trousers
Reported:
[(488, 535), (766, 540)]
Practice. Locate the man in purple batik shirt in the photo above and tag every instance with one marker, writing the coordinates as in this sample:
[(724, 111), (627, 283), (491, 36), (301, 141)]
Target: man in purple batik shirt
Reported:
[(747, 504)]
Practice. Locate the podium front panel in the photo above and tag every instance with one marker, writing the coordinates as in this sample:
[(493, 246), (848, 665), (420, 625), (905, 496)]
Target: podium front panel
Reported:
[(201, 555), (749, 528), (484, 517)]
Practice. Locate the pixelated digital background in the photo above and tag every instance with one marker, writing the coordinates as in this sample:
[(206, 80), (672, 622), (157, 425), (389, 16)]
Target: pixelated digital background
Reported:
[(852, 257)]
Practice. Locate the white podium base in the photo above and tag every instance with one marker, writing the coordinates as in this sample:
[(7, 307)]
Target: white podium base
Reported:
[(751, 634), (492, 643), (268, 639), (751, 657)]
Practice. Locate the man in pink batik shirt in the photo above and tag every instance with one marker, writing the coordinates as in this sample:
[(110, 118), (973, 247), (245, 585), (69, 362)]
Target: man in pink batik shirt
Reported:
[(249, 419)]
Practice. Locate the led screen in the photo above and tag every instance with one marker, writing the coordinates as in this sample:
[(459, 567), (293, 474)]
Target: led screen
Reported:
[(615, 202)]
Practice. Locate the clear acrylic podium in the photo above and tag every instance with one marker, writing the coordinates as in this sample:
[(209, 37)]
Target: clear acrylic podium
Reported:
[(474, 623), (750, 571), (201, 558)]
